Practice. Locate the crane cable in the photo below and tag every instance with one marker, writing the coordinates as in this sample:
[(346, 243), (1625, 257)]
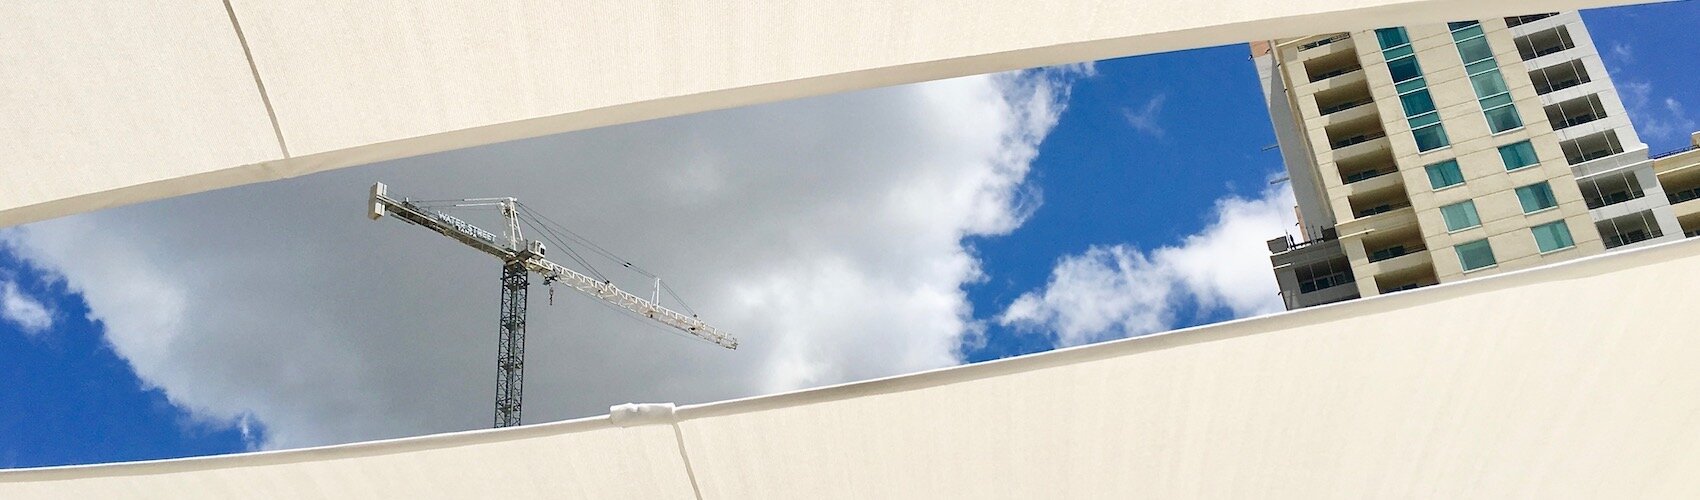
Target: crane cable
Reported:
[(546, 223)]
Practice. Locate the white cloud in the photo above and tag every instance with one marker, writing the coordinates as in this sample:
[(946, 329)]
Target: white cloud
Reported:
[(1145, 119), (1665, 119), (29, 313), (826, 233), (1624, 52), (1119, 291)]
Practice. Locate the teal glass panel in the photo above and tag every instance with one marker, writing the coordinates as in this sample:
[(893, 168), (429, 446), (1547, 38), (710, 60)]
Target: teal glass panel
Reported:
[(1404, 69), (1474, 30), (1488, 84), (1417, 103), (1496, 101), (1391, 37), (1461, 215), (1503, 119), (1416, 84), (1480, 66), (1475, 255), (1518, 155), (1430, 137), (1554, 236), (1535, 197), (1474, 50), (1463, 24), (1420, 121), (1444, 174), (1397, 52)]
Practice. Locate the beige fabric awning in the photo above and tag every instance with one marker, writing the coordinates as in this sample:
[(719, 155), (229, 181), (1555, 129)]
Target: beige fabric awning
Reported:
[(1574, 380)]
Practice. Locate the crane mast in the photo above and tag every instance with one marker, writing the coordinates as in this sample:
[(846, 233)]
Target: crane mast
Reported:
[(520, 258)]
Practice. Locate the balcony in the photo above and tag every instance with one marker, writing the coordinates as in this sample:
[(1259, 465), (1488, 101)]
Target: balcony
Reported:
[(1364, 175), (1629, 229), (1559, 77), (1513, 22), (1575, 112), (1370, 203), (1338, 37), (1412, 278), (1344, 106), (1398, 259), (1610, 189), (1333, 73), (1683, 187), (1395, 251), (1332, 65), (1591, 147), (1545, 42), (1684, 196)]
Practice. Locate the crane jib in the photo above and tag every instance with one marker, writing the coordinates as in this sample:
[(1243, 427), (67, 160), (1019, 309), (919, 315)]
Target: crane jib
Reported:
[(520, 258)]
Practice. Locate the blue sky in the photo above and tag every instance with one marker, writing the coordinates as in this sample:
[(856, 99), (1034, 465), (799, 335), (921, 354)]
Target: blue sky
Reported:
[(1141, 159)]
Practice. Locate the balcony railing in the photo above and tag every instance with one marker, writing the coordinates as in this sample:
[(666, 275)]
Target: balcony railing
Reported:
[(1325, 282), (1565, 123), (1513, 22), (1592, 155), (1554, 49), (1614, 198), (1675, 152), (1358, 139), (1332, 74), (1632, 237), (1324, 41), (1364, 175), (1344, 106), (1394, 252), (1381, 209), (1684, 195), (1557, 86)]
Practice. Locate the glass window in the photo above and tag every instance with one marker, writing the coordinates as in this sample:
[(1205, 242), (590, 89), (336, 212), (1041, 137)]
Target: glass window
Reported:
[(1430, 137), (1465, 30), (1481, 66), (1536, 197), (1503, 118), (1417, 103), (1397, 52), (1554, 236), (1391, 37), (1404, 69), (1444, 174), (1518, 155), (1460, 216), (1474, 50), (1475, 255), (1489, 84), (1417, 84)]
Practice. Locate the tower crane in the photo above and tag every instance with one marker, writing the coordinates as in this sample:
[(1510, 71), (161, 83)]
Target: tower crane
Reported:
[(521, 257)]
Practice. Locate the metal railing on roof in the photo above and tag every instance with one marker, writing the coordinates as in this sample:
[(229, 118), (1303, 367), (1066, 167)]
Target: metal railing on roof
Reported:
[(1325, 41), (1675, 152)]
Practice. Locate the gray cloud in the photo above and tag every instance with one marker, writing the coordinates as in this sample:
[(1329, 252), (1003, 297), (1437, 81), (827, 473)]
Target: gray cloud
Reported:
[(826, 233)]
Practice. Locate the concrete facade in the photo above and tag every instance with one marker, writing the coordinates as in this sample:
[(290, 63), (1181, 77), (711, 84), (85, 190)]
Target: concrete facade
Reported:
[(1534, 85)]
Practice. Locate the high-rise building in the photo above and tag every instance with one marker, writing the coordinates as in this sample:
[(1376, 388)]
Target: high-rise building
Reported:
[(1429, 154), (1679, 174)]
